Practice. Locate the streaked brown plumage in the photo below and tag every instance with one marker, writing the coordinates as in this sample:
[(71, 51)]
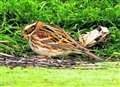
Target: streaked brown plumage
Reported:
[(48, 40)]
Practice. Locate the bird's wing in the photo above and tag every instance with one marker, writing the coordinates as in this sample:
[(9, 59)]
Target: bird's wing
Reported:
[(51, 40), (53, 37)]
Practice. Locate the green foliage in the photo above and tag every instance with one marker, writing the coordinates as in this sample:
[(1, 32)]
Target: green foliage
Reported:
[(76, 16)]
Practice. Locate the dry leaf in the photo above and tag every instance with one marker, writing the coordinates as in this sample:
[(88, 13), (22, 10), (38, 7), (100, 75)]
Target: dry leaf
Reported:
[(91, 38)]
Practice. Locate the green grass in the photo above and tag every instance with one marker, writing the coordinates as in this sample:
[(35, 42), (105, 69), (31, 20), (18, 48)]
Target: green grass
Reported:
[(44, 77), (73, 15)]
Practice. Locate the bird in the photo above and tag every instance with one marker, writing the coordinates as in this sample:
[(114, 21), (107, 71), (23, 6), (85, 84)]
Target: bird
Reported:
[(48, 40)]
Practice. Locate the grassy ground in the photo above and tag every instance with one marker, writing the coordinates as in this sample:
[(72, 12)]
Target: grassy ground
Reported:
[(73, 15), (44, 77)]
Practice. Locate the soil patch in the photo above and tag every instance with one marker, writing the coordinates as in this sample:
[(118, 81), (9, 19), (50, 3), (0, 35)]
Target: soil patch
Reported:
[(36, 61)]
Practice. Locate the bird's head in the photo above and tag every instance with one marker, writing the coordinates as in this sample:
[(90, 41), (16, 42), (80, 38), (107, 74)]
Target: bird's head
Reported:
[(28, 30)]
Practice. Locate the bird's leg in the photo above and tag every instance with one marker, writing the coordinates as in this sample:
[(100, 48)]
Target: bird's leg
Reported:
[(42, 57)]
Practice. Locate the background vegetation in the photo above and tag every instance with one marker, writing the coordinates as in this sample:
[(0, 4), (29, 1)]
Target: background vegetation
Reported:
[(75, 16)]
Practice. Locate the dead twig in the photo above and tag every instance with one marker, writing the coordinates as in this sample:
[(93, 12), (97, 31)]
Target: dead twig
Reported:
[(3, 42), (7, 55)]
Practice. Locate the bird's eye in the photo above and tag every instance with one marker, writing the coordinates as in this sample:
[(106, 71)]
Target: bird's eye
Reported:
[(29, 30), (25, 30)]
